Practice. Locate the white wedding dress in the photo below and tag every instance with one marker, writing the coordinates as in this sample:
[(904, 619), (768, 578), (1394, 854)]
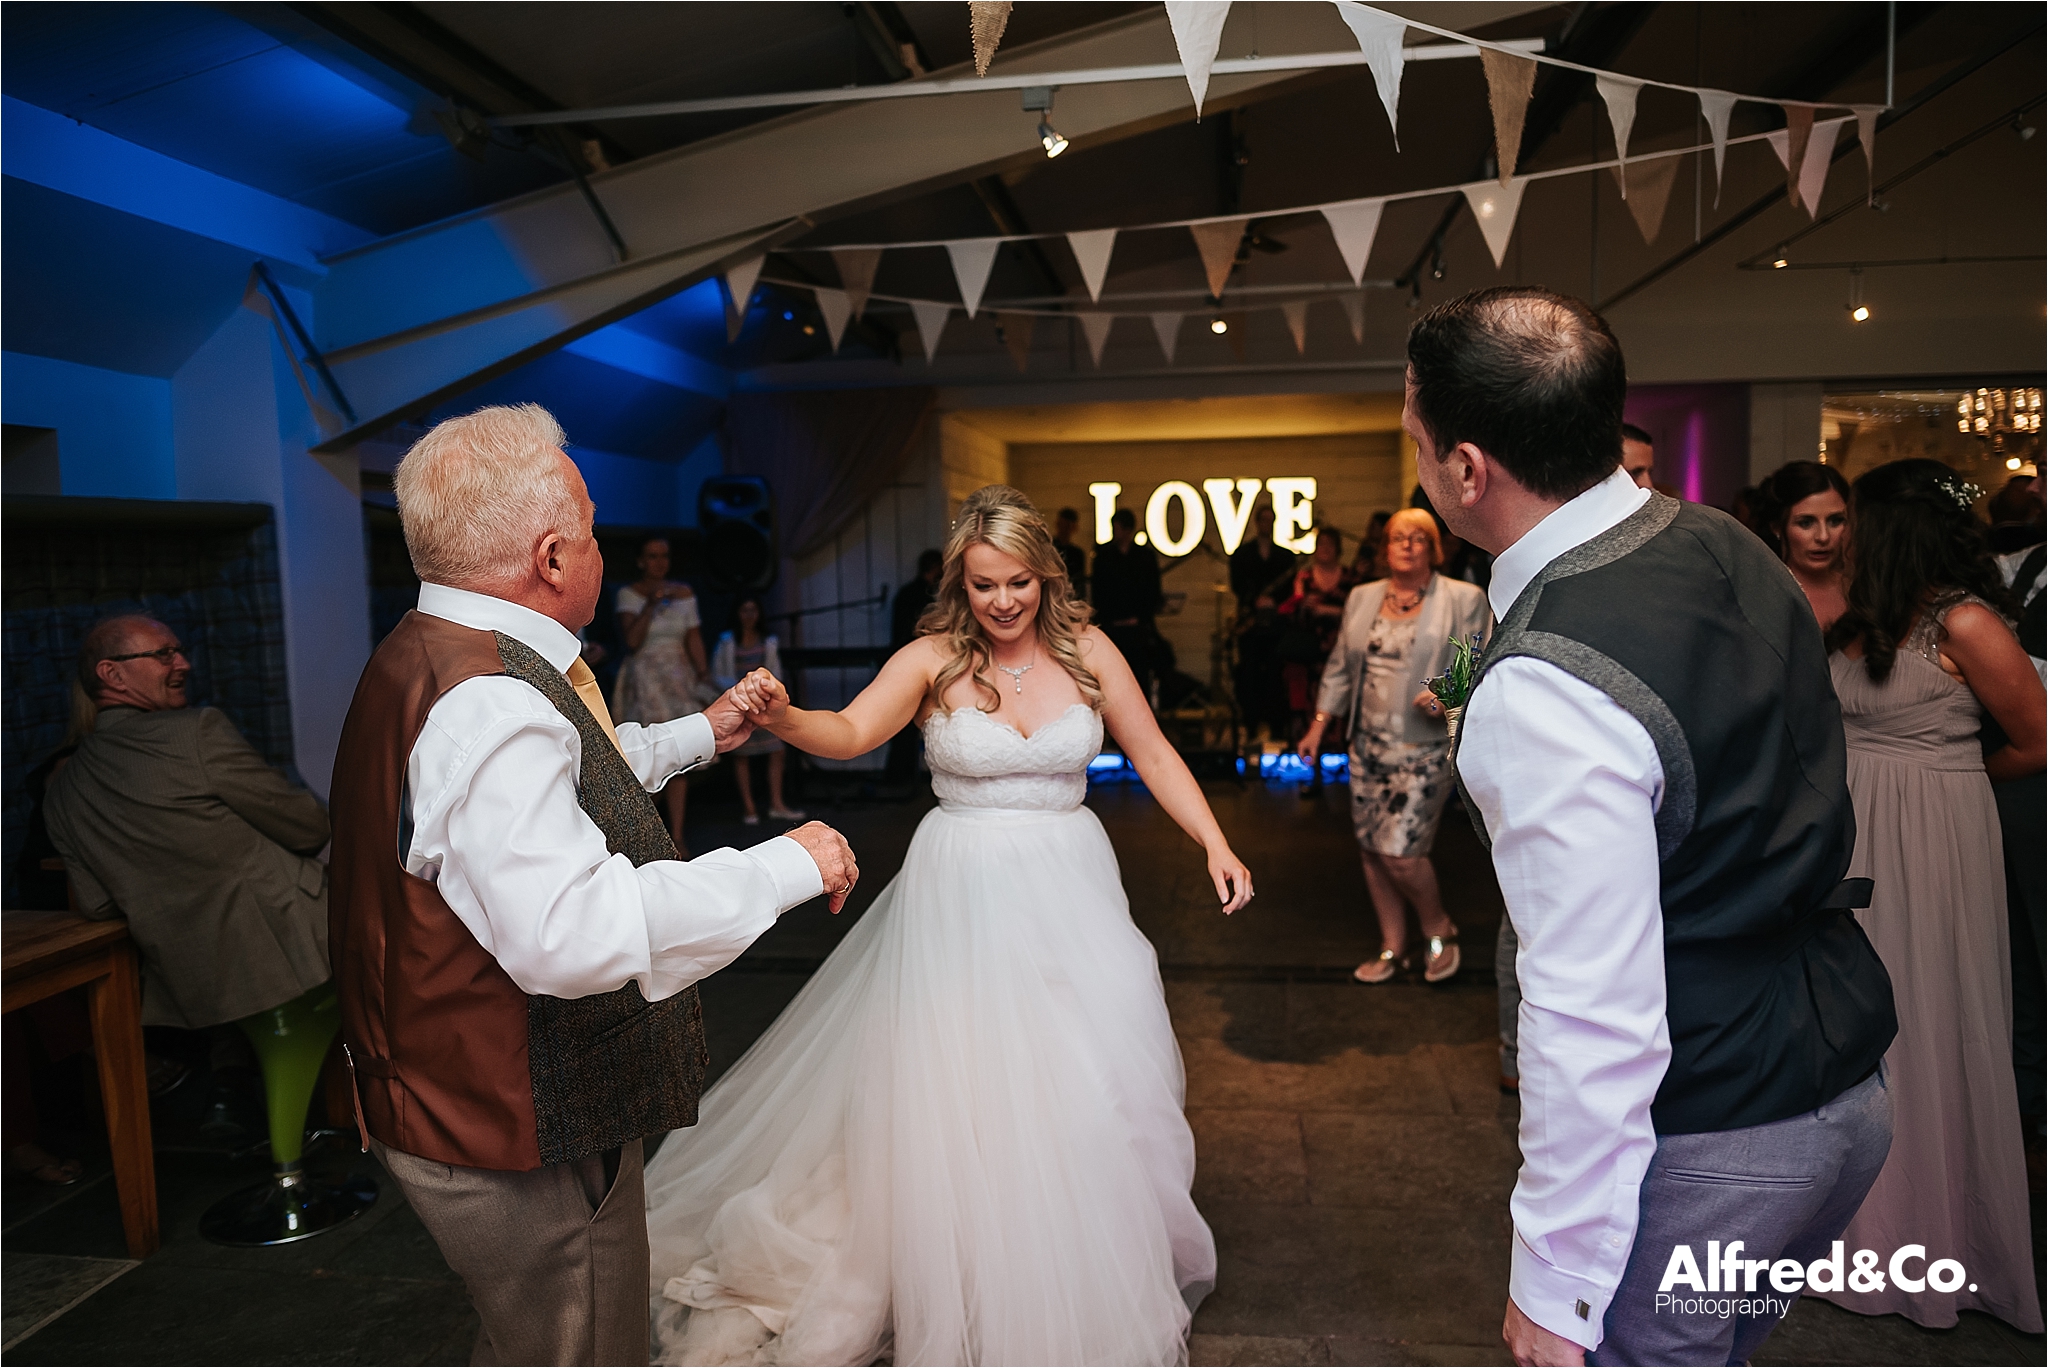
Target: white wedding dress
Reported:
[(963, 1142)]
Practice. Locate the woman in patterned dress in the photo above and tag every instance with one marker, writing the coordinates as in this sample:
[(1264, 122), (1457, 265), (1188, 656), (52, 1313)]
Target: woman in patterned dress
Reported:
[(1396, 634), (663, 678), (740, 652)]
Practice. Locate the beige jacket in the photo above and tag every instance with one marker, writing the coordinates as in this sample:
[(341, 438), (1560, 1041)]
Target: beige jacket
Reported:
[(173, 820)]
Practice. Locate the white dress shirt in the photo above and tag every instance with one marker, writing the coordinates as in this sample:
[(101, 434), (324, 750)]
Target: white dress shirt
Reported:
[(496, 827), (1568, 784)]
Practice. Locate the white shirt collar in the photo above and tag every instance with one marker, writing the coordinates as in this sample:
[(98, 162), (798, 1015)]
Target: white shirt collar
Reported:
[(1570, 524), (555, 643)]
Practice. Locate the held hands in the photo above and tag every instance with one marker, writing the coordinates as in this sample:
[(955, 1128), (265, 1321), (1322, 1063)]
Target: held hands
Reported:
[(762, 697), (730, 724), (834, 858), (1233, 881)]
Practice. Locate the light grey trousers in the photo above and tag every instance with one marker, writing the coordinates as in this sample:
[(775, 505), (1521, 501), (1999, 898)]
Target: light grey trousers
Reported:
[(1785, 1190), (555, 1258)]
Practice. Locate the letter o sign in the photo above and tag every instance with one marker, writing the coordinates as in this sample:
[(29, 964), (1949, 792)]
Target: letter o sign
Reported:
[(1193, 520), (1945, 1275)]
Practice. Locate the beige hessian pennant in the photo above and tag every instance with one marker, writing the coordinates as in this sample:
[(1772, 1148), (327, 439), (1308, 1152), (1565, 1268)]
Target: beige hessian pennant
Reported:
[(1380, 40), (972, 260), (1714, 108), (1866, 133), (1095, 327), (1510, 80), (1354, 314), (1620, 94), (1295, 311), (857, 273), (986, 20), (1167, 326), (739, 288), (1654, 179), (837, 309), (1197, 29), (1495, 206), (1017, 329), (1091, 254), (1354, 225), (1798, 132), (931, 318), (1217, 242)]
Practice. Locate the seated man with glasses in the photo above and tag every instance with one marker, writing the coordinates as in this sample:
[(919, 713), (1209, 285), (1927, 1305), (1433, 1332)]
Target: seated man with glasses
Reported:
[(167, 816)]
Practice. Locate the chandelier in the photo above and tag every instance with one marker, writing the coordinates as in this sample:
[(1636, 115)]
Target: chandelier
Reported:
[(1995, 412)]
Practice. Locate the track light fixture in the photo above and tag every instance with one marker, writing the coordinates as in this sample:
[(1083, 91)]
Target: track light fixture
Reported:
[(1218, 326), (1038, 100), (1050, 140), (1859, 312)]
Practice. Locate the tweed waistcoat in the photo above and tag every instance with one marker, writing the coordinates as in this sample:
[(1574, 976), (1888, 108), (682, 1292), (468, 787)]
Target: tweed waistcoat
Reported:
[(1775, 999), (452, 1061)]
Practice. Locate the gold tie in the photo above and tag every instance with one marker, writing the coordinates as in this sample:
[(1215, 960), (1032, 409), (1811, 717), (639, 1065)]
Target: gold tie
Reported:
[(585, 685)]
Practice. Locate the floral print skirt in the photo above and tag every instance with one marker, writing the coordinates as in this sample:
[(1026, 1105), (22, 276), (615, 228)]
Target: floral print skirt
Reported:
[(1398, 792)]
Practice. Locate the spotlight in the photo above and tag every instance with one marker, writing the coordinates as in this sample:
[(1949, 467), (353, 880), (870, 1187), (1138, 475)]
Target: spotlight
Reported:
[(2012, 463), (1218, 326), (1050, 140), (1781, 261), (1861, 313)]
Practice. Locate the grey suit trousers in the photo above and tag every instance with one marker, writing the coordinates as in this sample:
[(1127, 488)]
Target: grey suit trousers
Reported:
[(556, 1265)]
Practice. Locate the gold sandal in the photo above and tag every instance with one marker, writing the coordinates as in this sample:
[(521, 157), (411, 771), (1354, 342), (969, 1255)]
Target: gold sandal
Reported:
[(1381, 970), (1442, 960)]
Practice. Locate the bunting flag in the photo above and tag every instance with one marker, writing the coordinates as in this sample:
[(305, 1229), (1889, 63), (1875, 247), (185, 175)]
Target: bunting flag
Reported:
[(1380, 37), (1095, 327), (1798, 132), (1167, 325), (1295, 311), (1654, 179), (837, 309), (1495, 206), (1866, 133), (1715, 106), (972, 259), (1808, 175), (1354, 314), (1017, 329), (857, 273), (1091, 254), (1217, 242), (931, 321), (986, 20), (739, 288), (1510, 80), (1620, 95), (1354, 226), (1197, 30)]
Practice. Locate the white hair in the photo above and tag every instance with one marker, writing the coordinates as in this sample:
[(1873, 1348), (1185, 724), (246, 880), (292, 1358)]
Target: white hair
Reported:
[(477, 494)]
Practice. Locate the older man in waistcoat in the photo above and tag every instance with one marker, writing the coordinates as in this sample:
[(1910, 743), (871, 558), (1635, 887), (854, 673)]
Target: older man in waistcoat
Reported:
[(515, 941), (1654, 753)]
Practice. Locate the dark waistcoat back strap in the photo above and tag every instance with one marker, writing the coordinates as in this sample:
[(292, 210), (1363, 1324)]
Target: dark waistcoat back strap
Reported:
[(1776, 1001)]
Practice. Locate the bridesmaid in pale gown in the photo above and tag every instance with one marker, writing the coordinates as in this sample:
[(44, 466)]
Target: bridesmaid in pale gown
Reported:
[(1921, 656)]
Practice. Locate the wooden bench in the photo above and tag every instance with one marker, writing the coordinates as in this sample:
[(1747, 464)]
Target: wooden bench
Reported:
[(46, 953)]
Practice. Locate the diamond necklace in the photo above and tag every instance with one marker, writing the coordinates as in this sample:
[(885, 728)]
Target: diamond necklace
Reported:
[(1019, 671)]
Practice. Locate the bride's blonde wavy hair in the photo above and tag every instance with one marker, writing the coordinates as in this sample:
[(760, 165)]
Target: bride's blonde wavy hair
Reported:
[(1001, 517)]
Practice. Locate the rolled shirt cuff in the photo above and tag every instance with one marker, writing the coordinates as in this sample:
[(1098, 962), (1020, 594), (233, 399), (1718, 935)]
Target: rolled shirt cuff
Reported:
[(1561, 1302), (792, 870)]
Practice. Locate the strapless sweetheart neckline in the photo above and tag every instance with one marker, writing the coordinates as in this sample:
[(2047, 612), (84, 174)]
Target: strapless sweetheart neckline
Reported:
[(1010, 727)]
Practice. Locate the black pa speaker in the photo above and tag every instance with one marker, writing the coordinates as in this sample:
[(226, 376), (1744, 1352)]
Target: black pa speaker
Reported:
[(737, 518)]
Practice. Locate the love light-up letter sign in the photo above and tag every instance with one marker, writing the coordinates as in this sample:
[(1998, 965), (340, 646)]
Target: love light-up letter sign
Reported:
[(1293, 512)]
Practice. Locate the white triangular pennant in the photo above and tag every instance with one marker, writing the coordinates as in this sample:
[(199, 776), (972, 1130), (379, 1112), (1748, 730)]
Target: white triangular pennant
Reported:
[(973, 258), (1095, 327), (837, 309), (1866, 133), (1167, 325), (1620, 94), (1813, 169), (1354, 225), (739, 288), (1354, 314), (1714, 108), (931, 318), (1197, 29), (1091, 254), (1295, 311), (857, 273), (1495, 206), (1218, 243), (1380, 39)]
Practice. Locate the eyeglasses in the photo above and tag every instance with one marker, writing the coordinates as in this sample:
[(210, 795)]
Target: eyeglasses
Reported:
[(1415, 539), (162, 654)]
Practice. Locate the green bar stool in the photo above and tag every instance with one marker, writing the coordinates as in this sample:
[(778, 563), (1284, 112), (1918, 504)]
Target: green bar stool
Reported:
[(291, 1043)]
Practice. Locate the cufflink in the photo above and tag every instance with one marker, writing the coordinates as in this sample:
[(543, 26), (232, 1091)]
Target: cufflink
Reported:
[(1585, 1311)]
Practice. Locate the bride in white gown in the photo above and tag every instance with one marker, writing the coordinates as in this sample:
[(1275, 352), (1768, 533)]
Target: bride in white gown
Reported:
[(963, 1142)]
